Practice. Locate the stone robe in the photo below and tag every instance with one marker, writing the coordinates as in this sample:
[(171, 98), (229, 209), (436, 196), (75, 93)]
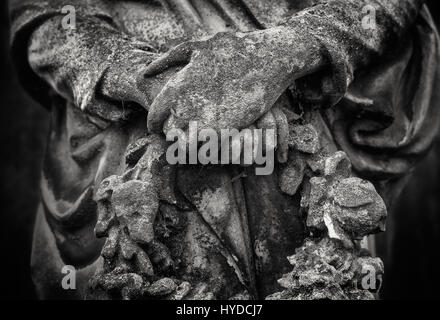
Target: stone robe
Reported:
[(381, 109)]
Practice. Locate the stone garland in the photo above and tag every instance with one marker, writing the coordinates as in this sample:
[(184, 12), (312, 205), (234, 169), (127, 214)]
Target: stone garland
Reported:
[(340, 210), (131, 211)]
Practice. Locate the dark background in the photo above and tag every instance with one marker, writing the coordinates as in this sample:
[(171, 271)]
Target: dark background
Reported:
[(412, 239)]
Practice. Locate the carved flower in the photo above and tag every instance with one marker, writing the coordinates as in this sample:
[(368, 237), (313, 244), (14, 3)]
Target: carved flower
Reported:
[(325, 269), (346, 207)]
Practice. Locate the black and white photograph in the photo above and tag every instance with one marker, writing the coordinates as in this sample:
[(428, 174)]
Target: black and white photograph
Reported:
[(262, 151)]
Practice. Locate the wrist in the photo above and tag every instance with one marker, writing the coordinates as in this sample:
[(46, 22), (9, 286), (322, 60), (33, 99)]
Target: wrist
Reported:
[(292, 52)]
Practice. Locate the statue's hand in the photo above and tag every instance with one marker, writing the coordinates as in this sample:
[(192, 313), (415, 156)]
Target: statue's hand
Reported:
[(123, 81), (228, 80), (123, 86)]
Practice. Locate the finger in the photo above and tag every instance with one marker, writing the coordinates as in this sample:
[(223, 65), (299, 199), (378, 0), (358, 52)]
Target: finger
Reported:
[(160, 111), (246, 155), (178, 55), (172, 130), (152, 86), (282, 135), (269, 125), (119, 84)]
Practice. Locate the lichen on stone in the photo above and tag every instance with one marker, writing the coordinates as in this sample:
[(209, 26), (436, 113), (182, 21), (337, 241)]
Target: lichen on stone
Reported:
[(340, 210), (130, 216), (325, 269)]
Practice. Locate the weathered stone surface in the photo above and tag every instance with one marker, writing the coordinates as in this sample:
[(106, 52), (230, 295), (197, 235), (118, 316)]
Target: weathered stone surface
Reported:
[(316, 199), (325, 269), (337, 164), (361, 210), (135, 69), (349, 208), (291, 175), (128, 211), (181, 291), (136, 204), (106, 188), (161, 287), (136, 150), (304, 138), (341, 208)]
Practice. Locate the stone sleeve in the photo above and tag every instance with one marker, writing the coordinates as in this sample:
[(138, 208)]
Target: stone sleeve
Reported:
[(26, 16), (353, 33), (70, 61)]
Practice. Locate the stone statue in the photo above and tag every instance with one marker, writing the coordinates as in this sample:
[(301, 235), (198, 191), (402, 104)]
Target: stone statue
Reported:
[(349, 86)]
